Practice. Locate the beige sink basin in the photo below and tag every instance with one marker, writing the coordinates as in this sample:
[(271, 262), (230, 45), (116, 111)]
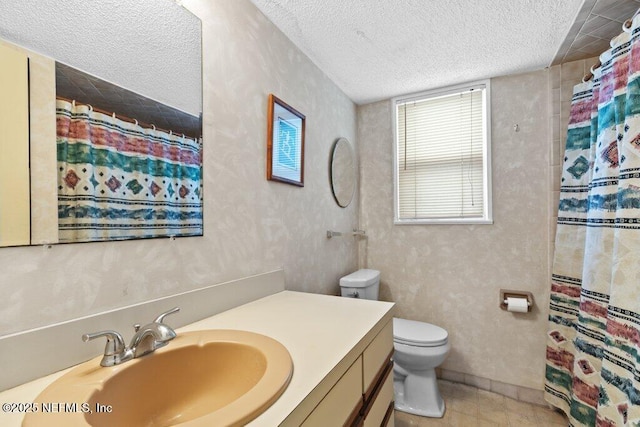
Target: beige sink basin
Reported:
[(202, 378)]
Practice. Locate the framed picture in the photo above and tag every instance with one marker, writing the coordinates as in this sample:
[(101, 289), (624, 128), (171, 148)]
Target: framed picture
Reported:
[(285, 143)]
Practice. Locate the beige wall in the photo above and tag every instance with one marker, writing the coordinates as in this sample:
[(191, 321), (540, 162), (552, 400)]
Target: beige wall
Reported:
[(451, 275), (251, 225)]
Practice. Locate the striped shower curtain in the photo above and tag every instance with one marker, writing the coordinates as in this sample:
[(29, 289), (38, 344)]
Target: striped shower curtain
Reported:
[(117, 180), (593, 344)]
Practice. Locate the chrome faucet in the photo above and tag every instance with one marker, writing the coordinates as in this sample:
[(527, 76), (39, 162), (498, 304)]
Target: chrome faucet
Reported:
[(147, 339), (152, 336)]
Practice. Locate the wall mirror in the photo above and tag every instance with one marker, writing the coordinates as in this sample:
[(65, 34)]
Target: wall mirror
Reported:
[(342, 172), (134, 68)]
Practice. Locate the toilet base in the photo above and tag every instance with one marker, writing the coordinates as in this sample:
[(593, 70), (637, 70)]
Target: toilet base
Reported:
[(421, 412), (418, 395)]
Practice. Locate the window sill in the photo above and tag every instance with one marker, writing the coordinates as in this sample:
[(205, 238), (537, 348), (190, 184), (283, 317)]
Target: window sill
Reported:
[(444, 221)]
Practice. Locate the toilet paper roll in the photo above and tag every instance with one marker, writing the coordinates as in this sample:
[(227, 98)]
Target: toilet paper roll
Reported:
[(517, 305)]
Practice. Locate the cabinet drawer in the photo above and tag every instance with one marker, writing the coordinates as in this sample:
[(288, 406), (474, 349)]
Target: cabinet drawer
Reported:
[(376, 357), (338, 405), (379, 407)]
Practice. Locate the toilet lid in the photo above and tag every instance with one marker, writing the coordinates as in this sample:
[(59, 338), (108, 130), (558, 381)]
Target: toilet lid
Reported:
[(419, 334)]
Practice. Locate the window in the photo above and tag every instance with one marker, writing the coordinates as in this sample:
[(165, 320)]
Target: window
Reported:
[(442, 156)]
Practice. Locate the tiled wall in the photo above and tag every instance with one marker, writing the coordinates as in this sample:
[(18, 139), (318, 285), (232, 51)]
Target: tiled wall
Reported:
[(562, 78), (596, 23)]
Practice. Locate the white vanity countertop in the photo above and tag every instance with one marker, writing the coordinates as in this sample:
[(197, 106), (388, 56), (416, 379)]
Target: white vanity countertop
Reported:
[(324, 335)]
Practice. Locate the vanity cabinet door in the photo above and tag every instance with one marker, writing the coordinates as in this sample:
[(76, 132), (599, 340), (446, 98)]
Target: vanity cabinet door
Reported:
[(363, 396), (338, 406), (375, 358), (381, 409), (377, 378)]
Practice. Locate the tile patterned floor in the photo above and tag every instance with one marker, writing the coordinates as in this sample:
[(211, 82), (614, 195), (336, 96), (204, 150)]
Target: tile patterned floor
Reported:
[(470, 407)]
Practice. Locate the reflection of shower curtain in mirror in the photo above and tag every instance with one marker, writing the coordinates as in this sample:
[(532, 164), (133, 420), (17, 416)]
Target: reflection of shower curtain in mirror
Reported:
[(117, 180)]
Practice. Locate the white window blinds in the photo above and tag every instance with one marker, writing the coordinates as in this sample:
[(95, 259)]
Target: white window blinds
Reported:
[(441, 157)]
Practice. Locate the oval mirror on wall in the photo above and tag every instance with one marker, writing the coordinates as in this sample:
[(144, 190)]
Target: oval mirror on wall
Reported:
[(342, 172)]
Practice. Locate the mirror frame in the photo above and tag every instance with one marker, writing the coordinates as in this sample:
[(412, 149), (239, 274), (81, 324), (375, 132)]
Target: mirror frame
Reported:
[(333, 173)]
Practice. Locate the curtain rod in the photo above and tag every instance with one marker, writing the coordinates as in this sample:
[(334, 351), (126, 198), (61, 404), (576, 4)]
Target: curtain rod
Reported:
[(123, 118), (626, 25)]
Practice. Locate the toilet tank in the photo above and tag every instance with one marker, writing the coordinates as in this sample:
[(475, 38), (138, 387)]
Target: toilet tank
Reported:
[(363, 283)]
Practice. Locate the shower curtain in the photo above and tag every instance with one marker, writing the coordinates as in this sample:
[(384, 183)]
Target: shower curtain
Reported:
[(117, 180), (593, 343)]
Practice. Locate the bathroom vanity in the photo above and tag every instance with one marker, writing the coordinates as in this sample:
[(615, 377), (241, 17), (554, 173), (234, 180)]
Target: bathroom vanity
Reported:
[(340, 348)]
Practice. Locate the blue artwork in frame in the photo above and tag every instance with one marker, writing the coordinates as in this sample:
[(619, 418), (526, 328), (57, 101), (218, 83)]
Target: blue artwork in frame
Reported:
[(285, 143), (288, 152)]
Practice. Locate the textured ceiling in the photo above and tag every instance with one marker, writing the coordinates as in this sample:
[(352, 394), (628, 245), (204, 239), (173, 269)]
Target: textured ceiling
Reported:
[(378, 49)]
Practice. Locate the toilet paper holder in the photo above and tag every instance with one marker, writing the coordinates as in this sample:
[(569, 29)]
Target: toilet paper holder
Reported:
[(506, 293)]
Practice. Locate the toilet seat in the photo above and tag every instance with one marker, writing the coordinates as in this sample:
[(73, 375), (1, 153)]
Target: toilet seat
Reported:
[(418, 334)]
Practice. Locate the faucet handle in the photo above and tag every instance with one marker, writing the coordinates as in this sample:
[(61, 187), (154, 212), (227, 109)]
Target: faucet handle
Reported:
[(160, 318), (115, 351), (115, 342), (164, 332)]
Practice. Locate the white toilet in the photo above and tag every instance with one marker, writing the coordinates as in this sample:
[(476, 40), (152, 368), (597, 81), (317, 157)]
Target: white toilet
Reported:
[(419, 348)]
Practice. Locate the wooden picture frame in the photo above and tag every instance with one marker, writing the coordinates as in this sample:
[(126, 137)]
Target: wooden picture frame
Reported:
[(285, 143)]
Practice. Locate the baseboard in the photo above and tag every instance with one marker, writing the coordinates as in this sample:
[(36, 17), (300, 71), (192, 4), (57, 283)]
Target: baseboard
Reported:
[(524, 394)]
